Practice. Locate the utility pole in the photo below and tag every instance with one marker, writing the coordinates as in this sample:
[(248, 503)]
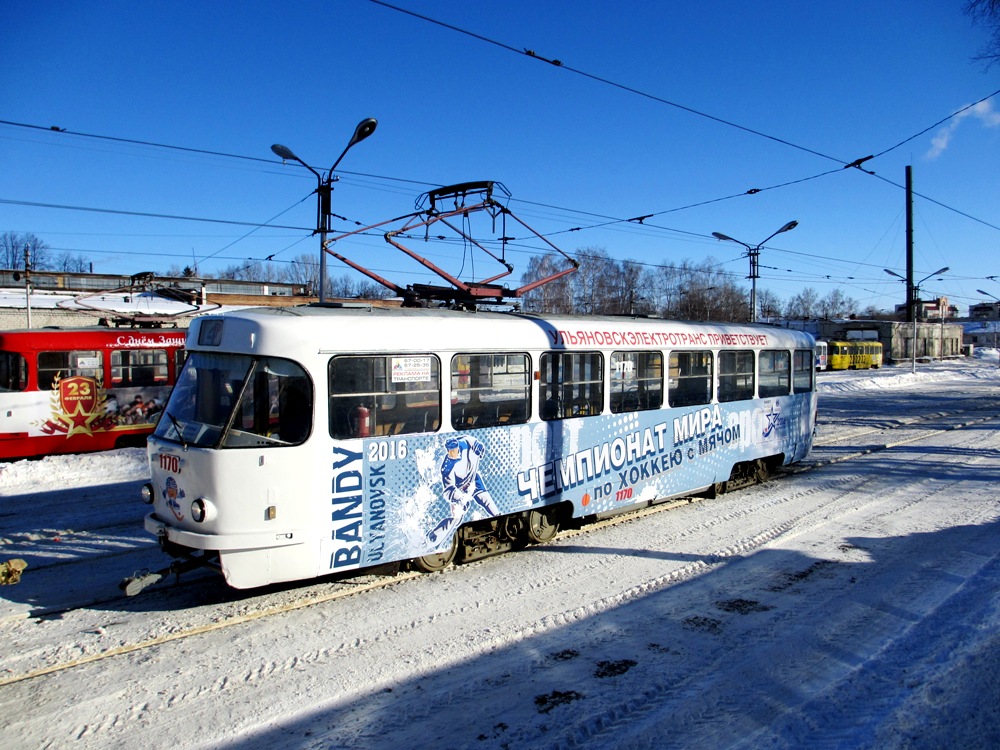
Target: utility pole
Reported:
[(911, 313), (27, 280)]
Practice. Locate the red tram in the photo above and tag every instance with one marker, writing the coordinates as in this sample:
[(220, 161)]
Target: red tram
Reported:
[(79, 390)]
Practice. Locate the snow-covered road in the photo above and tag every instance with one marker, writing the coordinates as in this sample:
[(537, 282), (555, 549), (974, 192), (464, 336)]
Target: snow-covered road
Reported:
[(850, 604)]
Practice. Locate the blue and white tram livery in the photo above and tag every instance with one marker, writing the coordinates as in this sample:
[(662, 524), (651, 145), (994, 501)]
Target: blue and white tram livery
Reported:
[(303, 442)]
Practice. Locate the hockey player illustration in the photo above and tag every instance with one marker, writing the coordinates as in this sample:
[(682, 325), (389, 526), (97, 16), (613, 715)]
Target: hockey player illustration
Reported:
[(172, 493), (462, 484)]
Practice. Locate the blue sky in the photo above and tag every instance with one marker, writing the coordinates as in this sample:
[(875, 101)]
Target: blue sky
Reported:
[(667, 108)]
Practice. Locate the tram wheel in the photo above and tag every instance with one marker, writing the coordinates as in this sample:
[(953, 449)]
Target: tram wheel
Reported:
[(718, 489), (439, 560), (543, 524)]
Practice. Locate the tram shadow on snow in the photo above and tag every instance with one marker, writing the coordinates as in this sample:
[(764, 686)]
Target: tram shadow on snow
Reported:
[(646, 656), (78, 545)]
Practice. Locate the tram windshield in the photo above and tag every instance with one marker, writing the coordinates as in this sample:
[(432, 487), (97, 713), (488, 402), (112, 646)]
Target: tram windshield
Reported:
[(236, 401)]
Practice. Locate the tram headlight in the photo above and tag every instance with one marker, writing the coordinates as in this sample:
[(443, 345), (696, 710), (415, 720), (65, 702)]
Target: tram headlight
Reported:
[(202, 510), (147, 494)]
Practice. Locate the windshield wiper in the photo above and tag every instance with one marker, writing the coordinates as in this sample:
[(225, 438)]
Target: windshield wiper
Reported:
[(177, 426)]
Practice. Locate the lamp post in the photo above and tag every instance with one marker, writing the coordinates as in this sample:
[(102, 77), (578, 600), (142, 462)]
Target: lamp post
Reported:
[(324, 189), (27, 281), (754, 254), (914, 299)]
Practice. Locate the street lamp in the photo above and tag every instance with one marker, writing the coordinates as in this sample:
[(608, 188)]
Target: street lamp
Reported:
[(324, 189), (914, 297), (754, 253), (987, 294)]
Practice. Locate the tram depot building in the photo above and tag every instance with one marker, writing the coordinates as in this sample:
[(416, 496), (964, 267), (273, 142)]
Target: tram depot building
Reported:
[(933, 340)]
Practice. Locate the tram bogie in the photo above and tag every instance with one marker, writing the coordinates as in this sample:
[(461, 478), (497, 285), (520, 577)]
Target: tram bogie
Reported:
[(323, 440)]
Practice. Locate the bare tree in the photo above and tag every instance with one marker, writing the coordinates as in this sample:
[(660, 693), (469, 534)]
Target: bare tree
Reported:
[(836, 305), (596, 284), (706, 293), (12, 251), (259, 271), (302, 271), (631, 295), (803, 305), (770, 304), (371, 290), (874, 313), (553, 297), (341, 287), (71, 263), (609, 287), (663, 288), (986, 13)]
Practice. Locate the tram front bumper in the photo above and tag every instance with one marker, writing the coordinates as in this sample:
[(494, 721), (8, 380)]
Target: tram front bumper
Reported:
[(223, 542)]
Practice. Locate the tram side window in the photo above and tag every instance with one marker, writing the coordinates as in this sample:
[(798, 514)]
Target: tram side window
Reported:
[(59, 365), (384, 395), (636, 381), (775, 373), (489, 390), (571, 384), (690, 380), (13, 372), (802, 374), (736, 376), (139, 367)]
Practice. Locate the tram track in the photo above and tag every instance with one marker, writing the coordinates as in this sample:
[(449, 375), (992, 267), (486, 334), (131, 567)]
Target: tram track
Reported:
[(206, 628), (899, 422), (808, 465), (248, 611)]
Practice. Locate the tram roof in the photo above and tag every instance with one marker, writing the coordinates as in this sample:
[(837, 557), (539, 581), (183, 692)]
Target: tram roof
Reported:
[(371, 328)]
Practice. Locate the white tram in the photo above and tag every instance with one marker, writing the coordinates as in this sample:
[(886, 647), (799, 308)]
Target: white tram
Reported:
[(822, 359), (302, 442)]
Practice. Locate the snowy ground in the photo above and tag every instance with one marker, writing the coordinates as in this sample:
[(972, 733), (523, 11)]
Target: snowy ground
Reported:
[(853, 604)]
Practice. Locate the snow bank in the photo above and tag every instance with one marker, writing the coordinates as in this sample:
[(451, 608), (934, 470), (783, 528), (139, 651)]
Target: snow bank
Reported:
[(84, 470)]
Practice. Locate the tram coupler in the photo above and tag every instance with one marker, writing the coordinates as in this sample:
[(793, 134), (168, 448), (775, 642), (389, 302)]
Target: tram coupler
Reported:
[(134, 584), (141, 580)]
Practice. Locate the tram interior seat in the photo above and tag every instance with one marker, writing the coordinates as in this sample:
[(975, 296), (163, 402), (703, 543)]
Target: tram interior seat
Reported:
[(690, 392), (388, 428), (494, 414)]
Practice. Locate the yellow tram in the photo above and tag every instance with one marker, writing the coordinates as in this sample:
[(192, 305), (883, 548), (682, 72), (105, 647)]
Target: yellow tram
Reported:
[(854, 355)]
